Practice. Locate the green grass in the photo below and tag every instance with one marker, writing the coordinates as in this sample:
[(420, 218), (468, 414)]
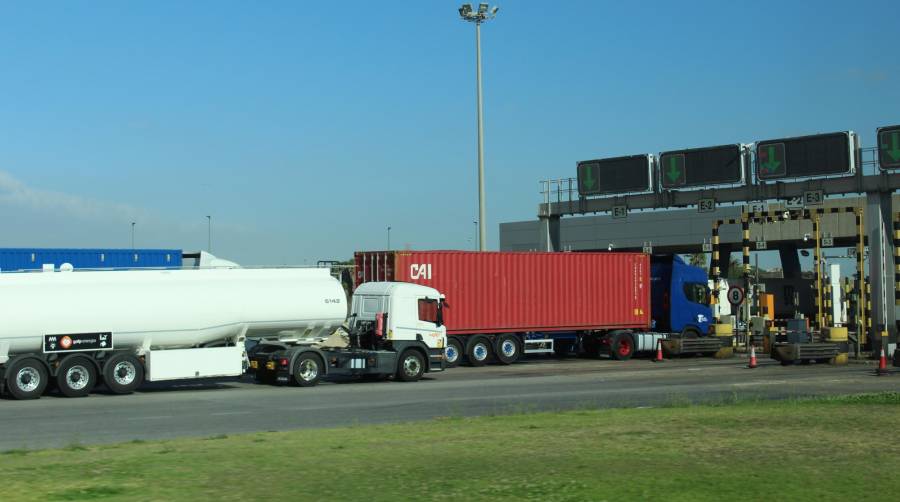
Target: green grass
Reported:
[(824, 449)]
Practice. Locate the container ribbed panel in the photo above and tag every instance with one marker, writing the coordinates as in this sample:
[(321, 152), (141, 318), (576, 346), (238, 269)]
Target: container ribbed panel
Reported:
[(491, 292)]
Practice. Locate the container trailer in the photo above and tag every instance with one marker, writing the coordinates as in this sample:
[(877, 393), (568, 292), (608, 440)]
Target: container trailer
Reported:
[(75, 329), (502, 305)]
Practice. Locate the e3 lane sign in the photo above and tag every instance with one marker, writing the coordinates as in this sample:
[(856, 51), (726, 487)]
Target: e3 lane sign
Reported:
[(889, 147), (715, 165), (615, 175), (808, 156)]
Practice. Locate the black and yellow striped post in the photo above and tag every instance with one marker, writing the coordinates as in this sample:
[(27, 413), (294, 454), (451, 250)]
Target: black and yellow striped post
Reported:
[(860, 289), (868, 311), (745, 250), (897, 258), (716, 270), (817, 271)]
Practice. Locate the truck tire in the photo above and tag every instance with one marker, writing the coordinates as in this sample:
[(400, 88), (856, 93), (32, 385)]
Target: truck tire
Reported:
[(76, 376), (508, 349), (307, 370), (621, 346), (123, 373), (410, 366), (453, 354), (26, 379), (479, 351)]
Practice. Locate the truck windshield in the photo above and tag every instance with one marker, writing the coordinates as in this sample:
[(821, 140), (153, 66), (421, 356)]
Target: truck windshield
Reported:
[(696, 292)]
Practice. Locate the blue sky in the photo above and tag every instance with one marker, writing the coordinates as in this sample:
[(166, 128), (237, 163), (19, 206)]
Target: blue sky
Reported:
[(305, 129)]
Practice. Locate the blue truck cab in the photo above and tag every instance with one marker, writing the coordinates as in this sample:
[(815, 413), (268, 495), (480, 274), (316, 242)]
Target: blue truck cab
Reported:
[(679, 297)]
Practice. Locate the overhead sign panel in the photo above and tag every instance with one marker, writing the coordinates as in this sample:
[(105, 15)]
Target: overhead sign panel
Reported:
[(615, 175), (807, 156), (889, 147), (715, 165)]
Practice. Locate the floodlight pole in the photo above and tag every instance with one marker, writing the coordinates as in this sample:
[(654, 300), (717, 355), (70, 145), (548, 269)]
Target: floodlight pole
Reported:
[(479, 16), (482, 233)]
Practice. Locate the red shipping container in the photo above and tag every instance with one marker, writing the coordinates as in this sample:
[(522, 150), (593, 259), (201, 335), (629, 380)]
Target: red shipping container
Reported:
[(507, 292)]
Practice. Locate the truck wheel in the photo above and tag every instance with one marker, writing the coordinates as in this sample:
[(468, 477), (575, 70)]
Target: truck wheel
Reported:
[(507, 349), (26, 379), (123, 373), (76, 377), (479, 351), (307, 370), (453, 353), (411, 366), (621, 347)]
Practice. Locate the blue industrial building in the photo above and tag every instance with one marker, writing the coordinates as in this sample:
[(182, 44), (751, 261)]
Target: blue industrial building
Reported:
[(12, 259)]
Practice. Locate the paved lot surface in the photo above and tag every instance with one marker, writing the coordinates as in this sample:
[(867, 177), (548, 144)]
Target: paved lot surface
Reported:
[(235, 406)]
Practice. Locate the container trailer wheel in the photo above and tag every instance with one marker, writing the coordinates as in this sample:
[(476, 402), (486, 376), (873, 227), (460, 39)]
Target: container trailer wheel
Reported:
[(479, 351), (76, 376), (411, 366), (507, 349), (621, 346), (26, 379), (307, 370), (123, 373), (453, 353)]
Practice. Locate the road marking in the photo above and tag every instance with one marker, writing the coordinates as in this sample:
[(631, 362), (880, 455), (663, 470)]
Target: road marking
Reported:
[(159, 417), (223, 413), (761, 382)]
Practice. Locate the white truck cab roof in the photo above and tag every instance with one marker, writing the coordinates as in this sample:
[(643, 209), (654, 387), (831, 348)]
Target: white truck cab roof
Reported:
[(396, 288)]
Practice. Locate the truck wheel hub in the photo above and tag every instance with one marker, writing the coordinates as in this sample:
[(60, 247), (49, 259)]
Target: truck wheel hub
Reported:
[(309, 370), (451, 354), (480, 352), (124, 373), (411, 366), (508, 348), (28, 379), (76, 377)]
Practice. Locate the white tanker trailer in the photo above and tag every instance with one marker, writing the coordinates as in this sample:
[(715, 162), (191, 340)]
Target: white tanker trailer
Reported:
[(123, 327)]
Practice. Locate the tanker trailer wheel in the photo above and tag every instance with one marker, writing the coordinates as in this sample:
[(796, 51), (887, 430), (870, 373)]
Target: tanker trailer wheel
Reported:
[(27, 379), (123, 373), (411, 366), (508, 349), (76, 376), (478, 351), (307, 370), (453, 353), (621, 346)]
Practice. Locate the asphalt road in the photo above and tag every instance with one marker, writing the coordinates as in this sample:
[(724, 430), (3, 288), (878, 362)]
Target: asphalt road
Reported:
[(204, 409)]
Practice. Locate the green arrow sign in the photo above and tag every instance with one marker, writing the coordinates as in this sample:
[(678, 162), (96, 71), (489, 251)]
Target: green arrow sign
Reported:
[(890, 147), (672, 170), (770, 159), (588, 181)]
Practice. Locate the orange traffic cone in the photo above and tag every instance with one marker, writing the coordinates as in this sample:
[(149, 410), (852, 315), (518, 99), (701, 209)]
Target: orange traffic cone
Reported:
[(882, 364), (752, 357), (659, 355)]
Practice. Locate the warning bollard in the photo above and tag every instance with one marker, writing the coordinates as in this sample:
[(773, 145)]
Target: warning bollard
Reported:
[(882, 364), (659, 355), (752, 357)]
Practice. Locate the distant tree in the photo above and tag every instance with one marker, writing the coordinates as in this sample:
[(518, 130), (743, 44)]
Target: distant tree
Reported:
[(735, 268), (697, 260)]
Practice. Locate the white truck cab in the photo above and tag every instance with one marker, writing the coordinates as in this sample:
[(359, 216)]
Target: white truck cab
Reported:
[(394, 328), (408, 311)]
